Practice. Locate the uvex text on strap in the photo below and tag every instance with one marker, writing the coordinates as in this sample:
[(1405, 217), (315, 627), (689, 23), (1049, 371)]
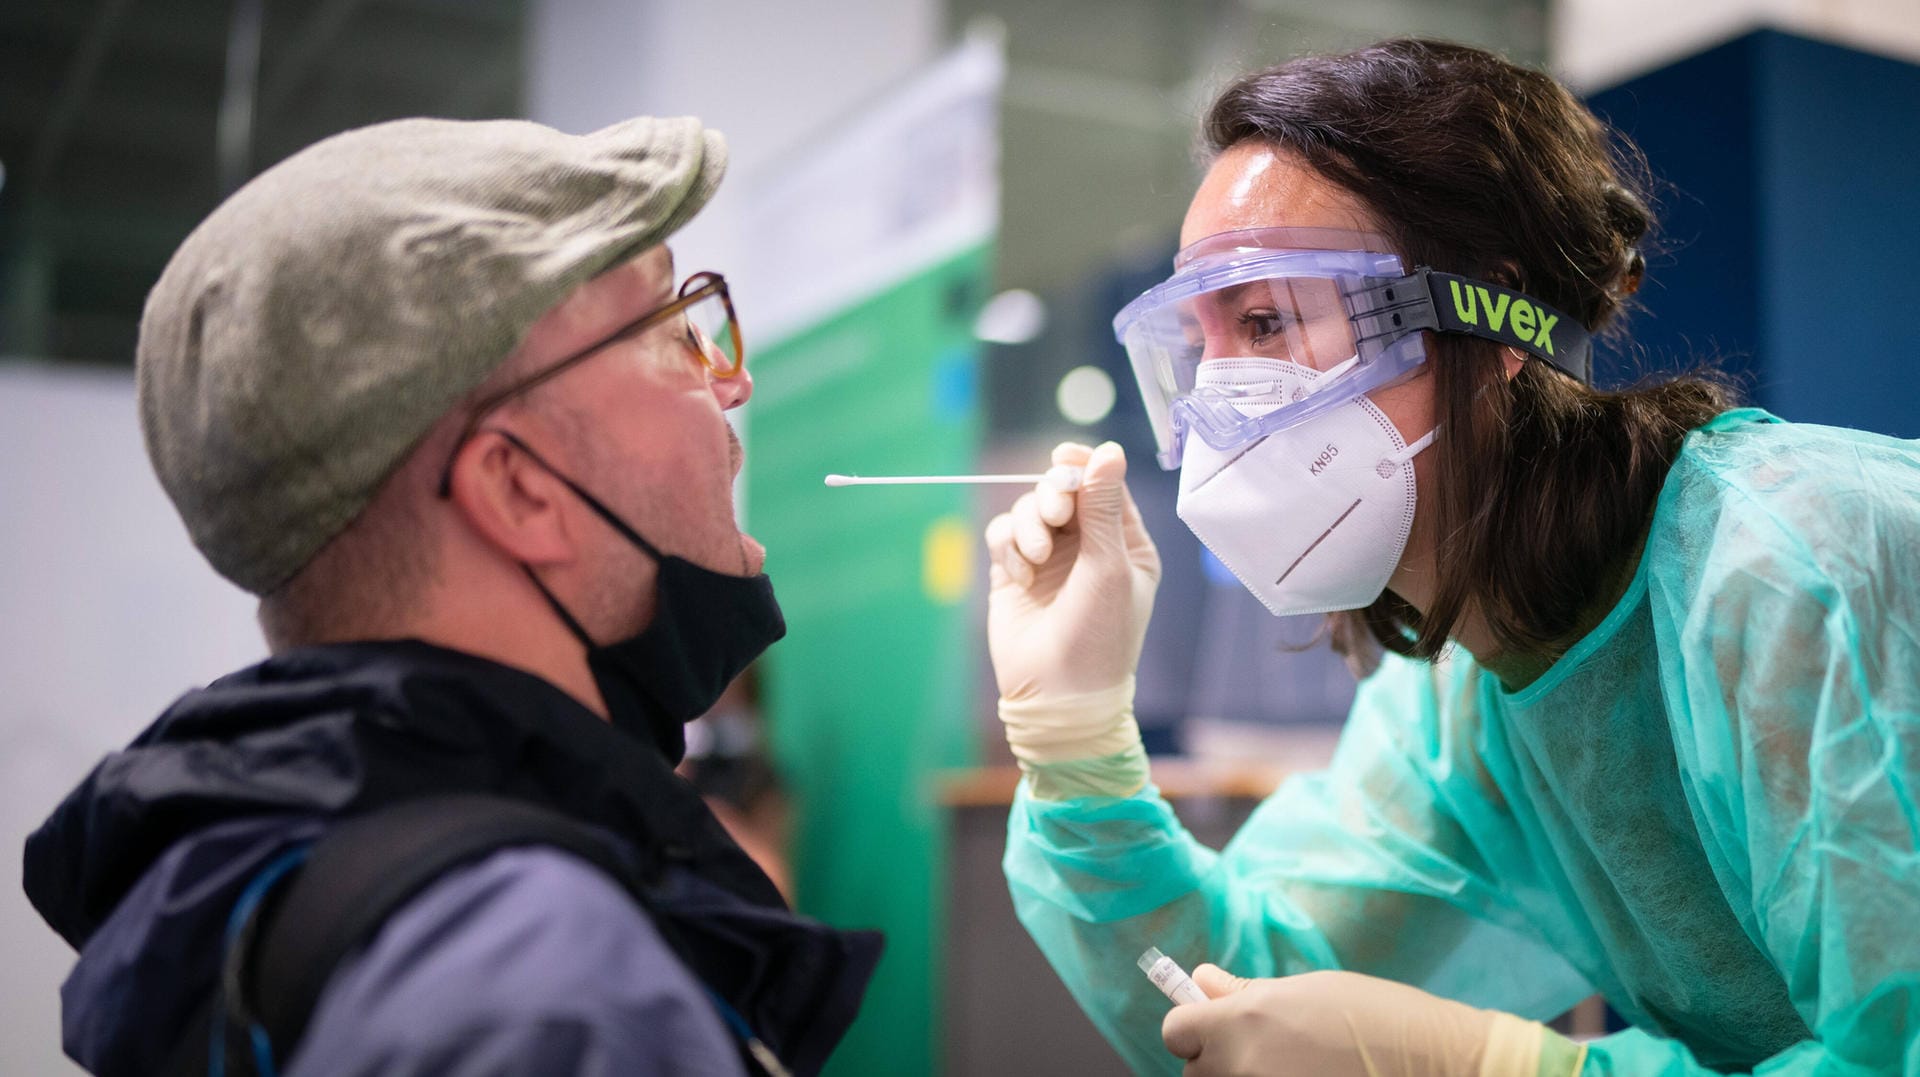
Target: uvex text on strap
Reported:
[(1430, 299)]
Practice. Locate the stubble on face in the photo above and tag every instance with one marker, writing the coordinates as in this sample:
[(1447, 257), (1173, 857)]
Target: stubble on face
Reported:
[(680, 500), (624, 577), (621, 594), (618, 599)]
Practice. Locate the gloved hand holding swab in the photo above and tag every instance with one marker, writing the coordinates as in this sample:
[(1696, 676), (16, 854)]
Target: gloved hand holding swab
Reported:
[(1066, 479)]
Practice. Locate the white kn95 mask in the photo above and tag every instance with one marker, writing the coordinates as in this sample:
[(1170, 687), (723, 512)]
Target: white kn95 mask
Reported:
[(1312, 518)]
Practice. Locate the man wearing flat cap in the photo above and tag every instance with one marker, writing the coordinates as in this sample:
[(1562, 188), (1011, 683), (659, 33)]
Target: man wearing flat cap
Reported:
[(436, 392)]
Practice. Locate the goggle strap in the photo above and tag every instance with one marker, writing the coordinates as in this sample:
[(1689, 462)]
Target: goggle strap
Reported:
[(1491, 312), (1390, 309), (1449, 303)]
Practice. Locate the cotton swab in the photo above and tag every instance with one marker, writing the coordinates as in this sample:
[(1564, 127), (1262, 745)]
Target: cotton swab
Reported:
[(1066, 479)]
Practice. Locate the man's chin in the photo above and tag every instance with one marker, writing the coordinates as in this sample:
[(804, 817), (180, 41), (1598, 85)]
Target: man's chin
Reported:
[(752, 554)]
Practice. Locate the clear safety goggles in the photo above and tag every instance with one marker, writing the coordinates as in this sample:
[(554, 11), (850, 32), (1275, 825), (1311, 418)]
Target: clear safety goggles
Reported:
[(1327, 299)]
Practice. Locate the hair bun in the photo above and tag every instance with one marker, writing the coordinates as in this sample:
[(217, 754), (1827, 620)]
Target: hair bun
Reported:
[(1632, 268), (1626, 213)]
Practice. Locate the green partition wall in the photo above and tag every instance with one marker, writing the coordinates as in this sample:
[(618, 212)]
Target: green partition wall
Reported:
[(870, 693)]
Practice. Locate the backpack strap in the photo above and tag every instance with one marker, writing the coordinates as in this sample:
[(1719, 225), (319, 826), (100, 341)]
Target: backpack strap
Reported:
[(360, 872)]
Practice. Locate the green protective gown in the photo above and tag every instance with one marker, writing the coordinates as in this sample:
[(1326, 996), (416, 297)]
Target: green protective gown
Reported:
[(1708, 810)]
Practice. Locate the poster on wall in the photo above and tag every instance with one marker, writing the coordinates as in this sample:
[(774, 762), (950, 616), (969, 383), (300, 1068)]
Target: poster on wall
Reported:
[(879, 235)]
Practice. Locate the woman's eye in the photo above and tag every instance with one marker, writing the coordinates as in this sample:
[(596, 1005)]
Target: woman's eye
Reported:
[(1261, 324)]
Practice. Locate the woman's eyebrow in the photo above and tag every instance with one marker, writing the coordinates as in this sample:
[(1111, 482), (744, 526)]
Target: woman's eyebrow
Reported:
[(1236, 293)]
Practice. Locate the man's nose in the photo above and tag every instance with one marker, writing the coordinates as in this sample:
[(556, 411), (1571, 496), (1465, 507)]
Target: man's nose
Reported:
[(733, 392)]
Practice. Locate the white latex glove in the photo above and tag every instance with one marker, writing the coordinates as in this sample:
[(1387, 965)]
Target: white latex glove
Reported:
[(1073, 577), (1343, 1024)]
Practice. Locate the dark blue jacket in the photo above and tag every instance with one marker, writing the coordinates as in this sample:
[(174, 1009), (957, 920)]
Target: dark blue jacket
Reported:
[(526, 961)]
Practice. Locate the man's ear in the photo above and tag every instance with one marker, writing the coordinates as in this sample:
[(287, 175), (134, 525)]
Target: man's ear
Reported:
[(510, 502)]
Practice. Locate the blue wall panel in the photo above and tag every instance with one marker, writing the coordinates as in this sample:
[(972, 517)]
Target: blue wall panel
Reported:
[(1791, 180), (1694, 121), (1839, 154)]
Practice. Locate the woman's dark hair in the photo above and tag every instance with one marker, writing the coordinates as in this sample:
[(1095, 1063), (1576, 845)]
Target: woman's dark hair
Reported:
[(1477, 166)]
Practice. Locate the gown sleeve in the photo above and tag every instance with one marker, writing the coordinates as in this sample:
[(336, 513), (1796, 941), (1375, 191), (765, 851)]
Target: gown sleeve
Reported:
[(1398, 861)]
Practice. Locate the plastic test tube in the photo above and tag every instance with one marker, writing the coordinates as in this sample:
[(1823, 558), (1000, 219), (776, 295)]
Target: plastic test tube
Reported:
[(1170, 978)]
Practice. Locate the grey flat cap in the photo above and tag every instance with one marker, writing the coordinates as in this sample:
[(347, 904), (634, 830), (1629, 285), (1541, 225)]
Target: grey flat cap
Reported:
[(313, 329)]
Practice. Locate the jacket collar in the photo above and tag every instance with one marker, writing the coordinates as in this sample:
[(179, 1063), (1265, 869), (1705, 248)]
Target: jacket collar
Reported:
[(349, 727)]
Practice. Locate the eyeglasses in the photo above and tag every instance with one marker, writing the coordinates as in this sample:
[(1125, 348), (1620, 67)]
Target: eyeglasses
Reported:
[(704, 309), (712, 329)]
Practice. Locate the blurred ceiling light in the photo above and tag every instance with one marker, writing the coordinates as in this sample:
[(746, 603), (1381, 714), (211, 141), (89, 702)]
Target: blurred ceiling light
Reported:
[(1015, 316), (1085, 395)]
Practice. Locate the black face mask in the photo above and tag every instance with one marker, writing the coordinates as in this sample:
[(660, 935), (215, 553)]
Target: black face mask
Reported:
[(707, 627)]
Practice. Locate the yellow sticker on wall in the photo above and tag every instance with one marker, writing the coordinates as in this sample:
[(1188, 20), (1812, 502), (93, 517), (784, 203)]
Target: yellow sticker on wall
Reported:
[(946, 559)]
